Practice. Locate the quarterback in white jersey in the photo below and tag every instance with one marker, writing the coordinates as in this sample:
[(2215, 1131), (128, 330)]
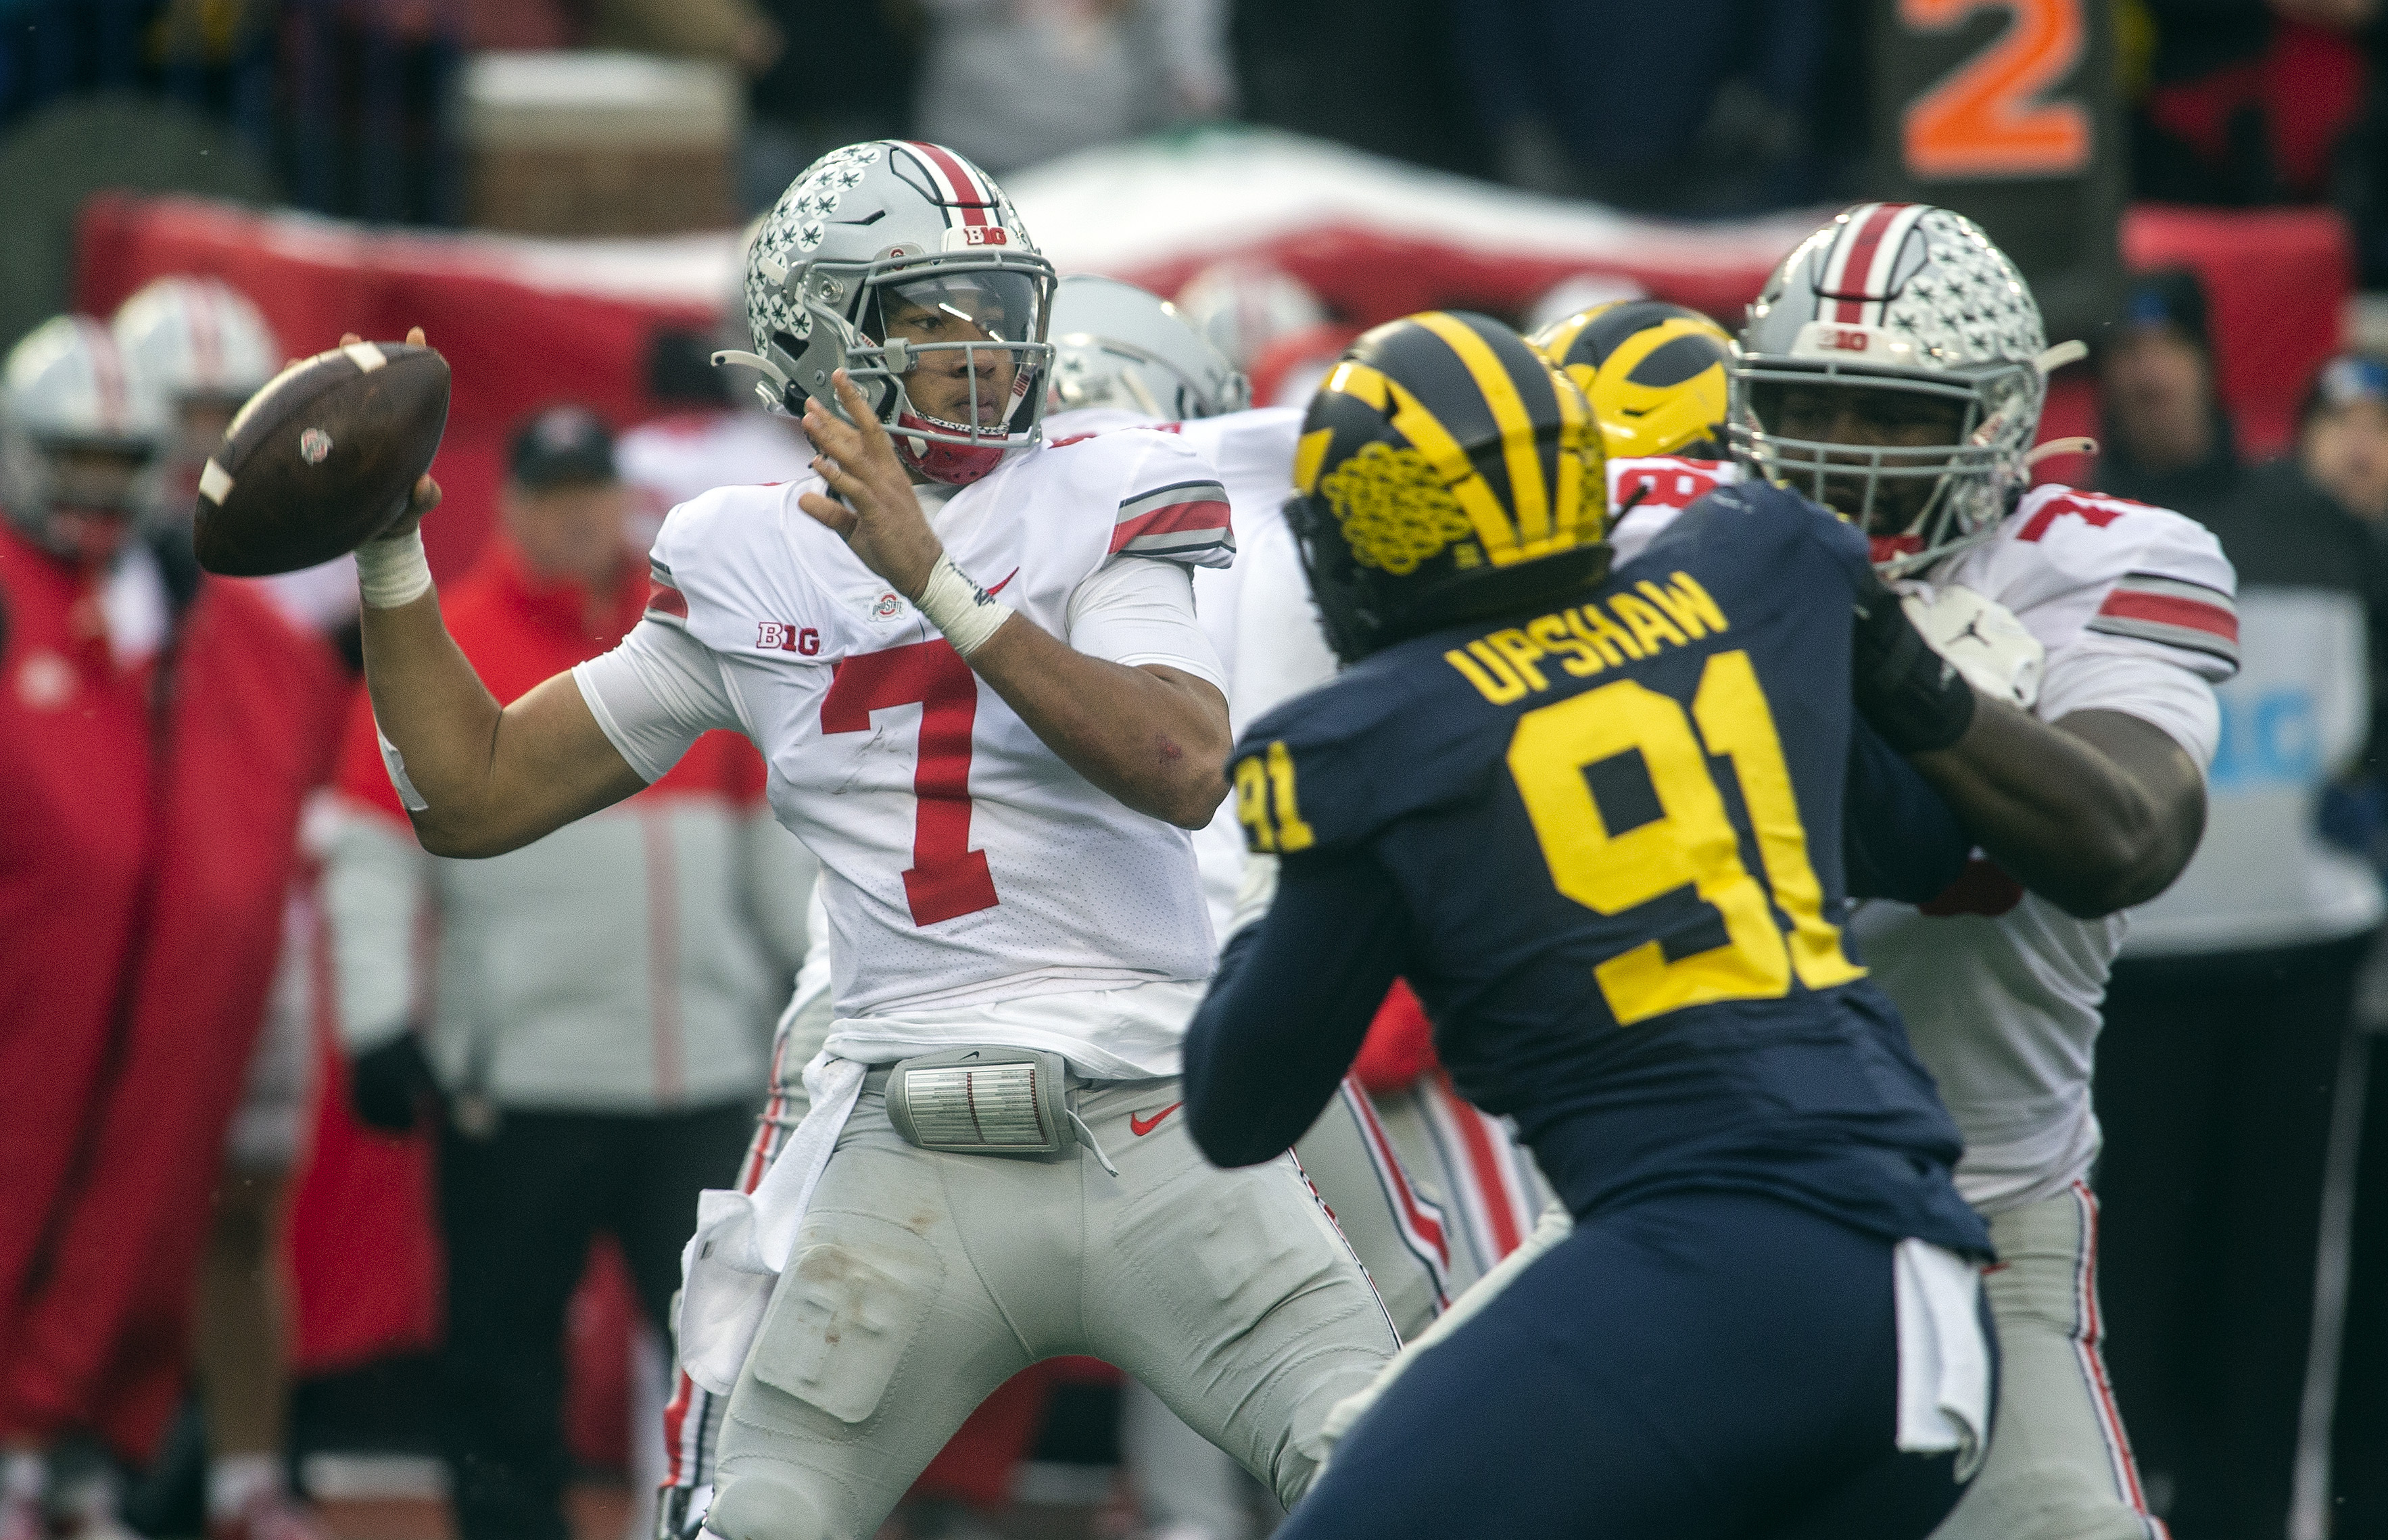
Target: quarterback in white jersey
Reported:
[(971, 661)]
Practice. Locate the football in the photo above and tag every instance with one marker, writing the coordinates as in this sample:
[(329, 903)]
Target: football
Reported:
[(322, 459)]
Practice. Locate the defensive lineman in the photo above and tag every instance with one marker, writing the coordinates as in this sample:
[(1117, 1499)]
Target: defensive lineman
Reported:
[(1592, 815), (1894, 366), (1006, 895)]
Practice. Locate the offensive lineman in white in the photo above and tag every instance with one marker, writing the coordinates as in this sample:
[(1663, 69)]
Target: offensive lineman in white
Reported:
[(1430, 1192), (1007, 899), (1894, 368), (1898, 326)]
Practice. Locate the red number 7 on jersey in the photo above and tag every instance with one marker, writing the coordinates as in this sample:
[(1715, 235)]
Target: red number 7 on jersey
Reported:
[(947, 879)]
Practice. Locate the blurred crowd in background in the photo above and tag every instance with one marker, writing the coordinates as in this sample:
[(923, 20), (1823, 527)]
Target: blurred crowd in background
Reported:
[(633, 1034)]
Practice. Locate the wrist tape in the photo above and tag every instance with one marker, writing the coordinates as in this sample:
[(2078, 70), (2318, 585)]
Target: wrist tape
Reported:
[(393, 572), (1911, 695), (965, 612)]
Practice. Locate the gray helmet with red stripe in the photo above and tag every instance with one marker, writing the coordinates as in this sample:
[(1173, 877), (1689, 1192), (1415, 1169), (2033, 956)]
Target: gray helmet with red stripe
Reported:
[(196, 338), (894, 222), (1904, 312), (66, 400)]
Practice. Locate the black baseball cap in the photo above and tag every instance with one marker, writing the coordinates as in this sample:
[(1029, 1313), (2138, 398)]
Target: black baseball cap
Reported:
[(560, 446)]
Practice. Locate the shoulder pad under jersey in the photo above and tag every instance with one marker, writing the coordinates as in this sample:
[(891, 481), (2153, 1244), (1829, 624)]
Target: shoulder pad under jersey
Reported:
[(1157, 494), (2069, 563), (727, 556)]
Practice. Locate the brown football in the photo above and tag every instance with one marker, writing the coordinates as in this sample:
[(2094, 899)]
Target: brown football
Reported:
[(322, 459)]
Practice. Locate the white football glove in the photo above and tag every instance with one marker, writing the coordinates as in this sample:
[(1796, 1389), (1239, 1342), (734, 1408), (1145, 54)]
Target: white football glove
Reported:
[(1983, 638)]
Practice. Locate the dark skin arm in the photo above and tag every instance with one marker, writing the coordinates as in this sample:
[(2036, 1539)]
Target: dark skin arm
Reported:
[(1154, 738), (2095, 813)]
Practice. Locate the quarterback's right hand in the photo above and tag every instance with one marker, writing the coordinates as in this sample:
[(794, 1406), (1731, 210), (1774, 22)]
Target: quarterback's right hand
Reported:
[(426, 495), (880, 518)]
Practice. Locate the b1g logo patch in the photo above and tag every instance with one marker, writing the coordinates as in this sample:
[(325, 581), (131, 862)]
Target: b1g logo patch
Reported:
[(779, 636)]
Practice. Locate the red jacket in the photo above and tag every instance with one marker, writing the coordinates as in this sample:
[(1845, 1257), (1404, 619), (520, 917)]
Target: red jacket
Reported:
[(149, 836)]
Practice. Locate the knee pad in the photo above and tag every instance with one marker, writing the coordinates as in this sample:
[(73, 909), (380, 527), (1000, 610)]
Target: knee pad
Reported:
[(763, 1505)]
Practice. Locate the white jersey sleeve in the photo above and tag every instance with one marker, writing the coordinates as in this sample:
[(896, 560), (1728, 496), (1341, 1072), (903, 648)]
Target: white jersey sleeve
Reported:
[(2096, 674), (2074, 565), (1133, 612), (656, 694)]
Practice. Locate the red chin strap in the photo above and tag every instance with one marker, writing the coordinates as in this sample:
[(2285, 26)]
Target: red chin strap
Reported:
[(1889, 548), (954, 464)]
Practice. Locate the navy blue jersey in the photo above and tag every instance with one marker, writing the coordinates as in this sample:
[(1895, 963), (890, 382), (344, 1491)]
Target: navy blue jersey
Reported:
[(1608, 840)]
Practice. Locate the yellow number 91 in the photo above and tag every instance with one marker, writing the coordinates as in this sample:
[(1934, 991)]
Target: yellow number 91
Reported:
[(1691, 844)]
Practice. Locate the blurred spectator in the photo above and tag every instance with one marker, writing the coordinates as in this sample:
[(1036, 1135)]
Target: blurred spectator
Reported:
[(203, 349), (801, 111), (2167, 441), (1705, 108), (1011, 83), (158, 731), (1378, 75), (707, 441), (2227, 1012), (2249, 101), (366, 85), (593, 1009), (734, 32)]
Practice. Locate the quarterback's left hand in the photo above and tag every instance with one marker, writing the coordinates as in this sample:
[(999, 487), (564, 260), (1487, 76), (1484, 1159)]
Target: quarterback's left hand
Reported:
[(880, 518), (1983, 638)]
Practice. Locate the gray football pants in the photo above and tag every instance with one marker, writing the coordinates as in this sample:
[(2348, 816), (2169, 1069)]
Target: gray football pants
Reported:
[(2059, 1467), (920, 1281)]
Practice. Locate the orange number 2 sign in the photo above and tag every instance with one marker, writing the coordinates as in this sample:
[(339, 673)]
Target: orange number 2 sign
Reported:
[(1984, 118)]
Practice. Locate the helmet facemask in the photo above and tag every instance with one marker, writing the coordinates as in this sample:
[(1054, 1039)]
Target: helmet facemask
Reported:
[(1943, 471), (948, 350)]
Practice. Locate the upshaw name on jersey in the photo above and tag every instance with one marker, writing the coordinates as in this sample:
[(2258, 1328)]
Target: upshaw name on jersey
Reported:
[(1736, 574)]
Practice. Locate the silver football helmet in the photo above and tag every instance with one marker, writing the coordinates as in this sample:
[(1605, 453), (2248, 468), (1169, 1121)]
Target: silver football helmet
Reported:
[(1117, 345), (888, 259), (1245, 307), (196, 338), (80, 436), (1904, 315)]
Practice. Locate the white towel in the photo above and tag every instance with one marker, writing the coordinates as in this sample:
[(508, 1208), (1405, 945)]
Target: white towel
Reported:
[(1944, 1364), (742, 1239)]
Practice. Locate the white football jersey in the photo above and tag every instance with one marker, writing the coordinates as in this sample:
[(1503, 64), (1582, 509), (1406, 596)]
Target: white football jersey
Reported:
[(2000, 988), (964, 862), (672, 459)]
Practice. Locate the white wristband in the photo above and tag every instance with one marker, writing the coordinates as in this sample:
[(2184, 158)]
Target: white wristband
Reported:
[(965, 612), (393, 572)]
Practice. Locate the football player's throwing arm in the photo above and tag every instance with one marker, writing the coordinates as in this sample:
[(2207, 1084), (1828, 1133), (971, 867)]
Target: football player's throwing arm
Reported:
[(1154, 738), (477, 778)]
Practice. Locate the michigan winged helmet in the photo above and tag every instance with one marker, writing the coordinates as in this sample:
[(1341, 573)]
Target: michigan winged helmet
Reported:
[(1658, 376), (1445, 470)]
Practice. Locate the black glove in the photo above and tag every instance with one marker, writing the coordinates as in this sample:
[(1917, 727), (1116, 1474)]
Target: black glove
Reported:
[(389, 1085), (1911, 695)]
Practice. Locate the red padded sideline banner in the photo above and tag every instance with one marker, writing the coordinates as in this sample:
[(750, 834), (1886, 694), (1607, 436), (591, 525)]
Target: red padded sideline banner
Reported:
[(523, 323)]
